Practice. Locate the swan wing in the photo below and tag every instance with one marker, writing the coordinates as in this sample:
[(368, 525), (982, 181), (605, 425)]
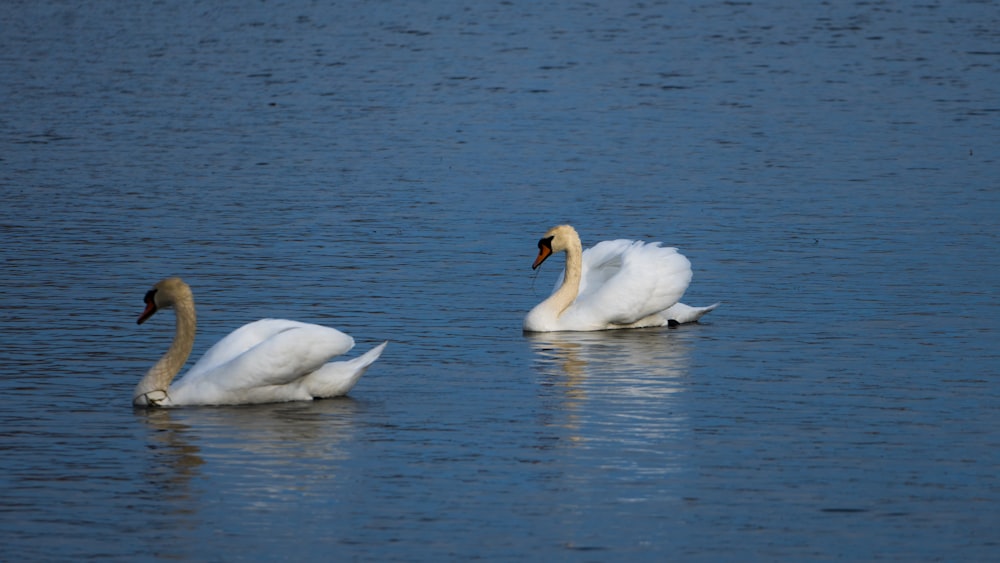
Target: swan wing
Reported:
[(240, 340), (624, 282), (337, 378), (600, 262), (258, 361)]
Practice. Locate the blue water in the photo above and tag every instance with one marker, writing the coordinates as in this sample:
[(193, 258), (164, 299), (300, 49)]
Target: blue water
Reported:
[(387, 168)]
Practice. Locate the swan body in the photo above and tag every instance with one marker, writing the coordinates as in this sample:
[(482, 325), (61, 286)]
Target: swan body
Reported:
[(266, 361), (615, 284)]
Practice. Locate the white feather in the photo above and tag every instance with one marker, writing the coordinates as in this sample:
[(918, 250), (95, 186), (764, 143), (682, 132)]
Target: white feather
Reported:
[(621, 284), (269, 360)]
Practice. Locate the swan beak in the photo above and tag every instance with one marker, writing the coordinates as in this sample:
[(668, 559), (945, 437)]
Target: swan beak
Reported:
[(543, 253), (150, 307)]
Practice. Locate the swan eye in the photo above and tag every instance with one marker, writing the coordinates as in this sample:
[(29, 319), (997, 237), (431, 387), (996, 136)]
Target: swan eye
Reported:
[(545, 243), (149, 296)]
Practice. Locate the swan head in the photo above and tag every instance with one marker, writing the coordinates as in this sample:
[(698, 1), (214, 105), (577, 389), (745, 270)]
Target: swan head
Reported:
[(163, 296), (556, 239)]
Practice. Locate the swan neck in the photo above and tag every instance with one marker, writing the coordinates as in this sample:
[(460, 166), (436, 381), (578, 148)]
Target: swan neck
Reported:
[(159, 376), (570, 288)]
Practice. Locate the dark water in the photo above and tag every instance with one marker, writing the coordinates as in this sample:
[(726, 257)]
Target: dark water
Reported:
[(386, 167)]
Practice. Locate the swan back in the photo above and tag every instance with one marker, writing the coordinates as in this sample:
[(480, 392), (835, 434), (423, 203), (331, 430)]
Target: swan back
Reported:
[(250, 335)]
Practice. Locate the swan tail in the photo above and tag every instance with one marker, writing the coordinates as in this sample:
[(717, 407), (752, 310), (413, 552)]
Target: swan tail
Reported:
[(338, 378), (680, 313)]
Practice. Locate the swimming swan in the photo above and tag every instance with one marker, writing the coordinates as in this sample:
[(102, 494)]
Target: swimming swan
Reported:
[(270, 360), (615, 284)]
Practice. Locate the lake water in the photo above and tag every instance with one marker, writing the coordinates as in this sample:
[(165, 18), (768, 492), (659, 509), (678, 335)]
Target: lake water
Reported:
[(386, 168)]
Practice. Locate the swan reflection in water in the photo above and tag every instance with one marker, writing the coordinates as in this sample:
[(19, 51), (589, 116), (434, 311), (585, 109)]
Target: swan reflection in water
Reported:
[(275, 449), (643, 363), (620, 390)]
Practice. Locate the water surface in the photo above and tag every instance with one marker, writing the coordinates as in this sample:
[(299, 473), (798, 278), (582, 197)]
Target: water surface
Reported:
[(386, 168)]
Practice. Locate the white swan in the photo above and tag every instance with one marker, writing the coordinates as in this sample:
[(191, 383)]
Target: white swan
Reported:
[(266, 361), (615, 284)]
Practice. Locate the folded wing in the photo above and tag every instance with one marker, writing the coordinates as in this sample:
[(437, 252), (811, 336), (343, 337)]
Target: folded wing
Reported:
[(262, 354), (626, 281)]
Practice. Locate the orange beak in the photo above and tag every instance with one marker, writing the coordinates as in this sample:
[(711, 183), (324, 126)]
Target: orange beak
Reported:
[(150, 307), (544, 251)]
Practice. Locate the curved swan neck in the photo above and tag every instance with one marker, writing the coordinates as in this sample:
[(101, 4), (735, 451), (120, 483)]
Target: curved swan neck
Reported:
[(159, 376), (570, 288)]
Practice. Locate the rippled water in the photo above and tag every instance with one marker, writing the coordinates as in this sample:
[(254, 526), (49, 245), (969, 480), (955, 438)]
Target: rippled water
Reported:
[(386, 168)]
